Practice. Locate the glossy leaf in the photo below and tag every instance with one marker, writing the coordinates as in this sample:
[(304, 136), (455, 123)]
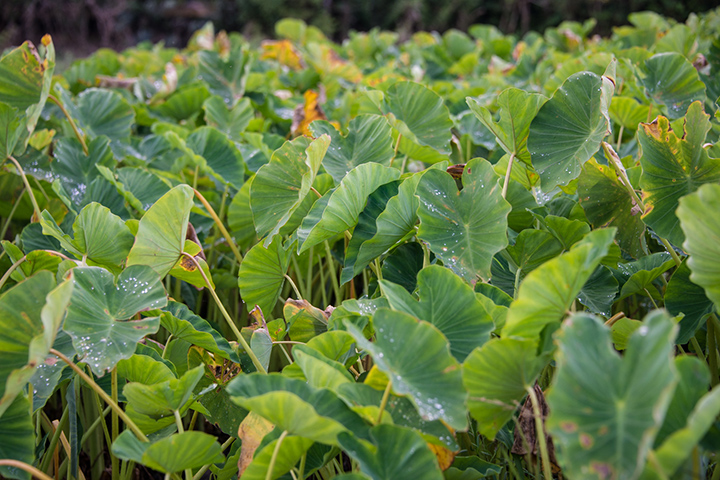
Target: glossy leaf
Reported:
[(416, 357), (100, 317), (702, 228), (447, 302), (464, 229), (369, 139), (672, 81), (569, 127), (161, 235), (672, 167), (614, 392)]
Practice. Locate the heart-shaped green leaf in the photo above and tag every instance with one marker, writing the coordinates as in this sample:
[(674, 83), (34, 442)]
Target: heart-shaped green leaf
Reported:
[(158, 400), (99, 318), (464, 229), (672, 81), (220, 155), (262, 274), (230, 121), (103, 112)]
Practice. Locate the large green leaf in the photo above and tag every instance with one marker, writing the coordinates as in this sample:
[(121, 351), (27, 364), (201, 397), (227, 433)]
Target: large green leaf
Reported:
[(517, 109), (369, 139), (497, 376), (262, 274), (416, 357), (547, 293), (672, 167), (421, 117), (672, 81), (699, 220), (140, 188), (320, 371), (100, 237), (161, 399), (447, 302), (682, 296), (225, 75), (293, 405), (288, 454), (220, 155), (628, 112), (30, 316), (100, 316), (161, 234), (605, 409), (464, 229), (606, 202), (170, 454), (103, 112), (639, 275), (344, 204), (280, 187), (569, 127), (17, 437), (230, 121), (184, 102), (395, 452)]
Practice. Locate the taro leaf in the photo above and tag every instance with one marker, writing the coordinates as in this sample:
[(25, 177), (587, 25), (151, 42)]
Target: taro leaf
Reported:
[(421, 117), (293, 405), (391, 226), (182, 323), (599, 292), (497, 376), (230, 121), (622, 330), (699, 220), (161, 399), (367, 227), (533, 248), (251, 432), (320, 372), (140, 188), (103, 112), (568, 232), (187, 269), (225, 76), (569, 127), (606, 203), (448, 303), (222, 411), (49, 373), (30, 316), (517, 109), (144, 369), (344, 204), (642, 273), (416, 357), (171, 454), (279, 187), (99, 318), (395, 452), (671, 80), (25, 81), (239, 217), (613, 393), (627, 112), (184, 102), (262, 274), (471, 468), (17, 437), (672, 167), (679, 446), (304, 321), (547, 293), (161, 234), (682, 296), (464, 229), (369, 139), (99, 236), (35, 261), (220, 154), (261, 344), (75, 170), (694, 378), (283, 456), (403, 265)]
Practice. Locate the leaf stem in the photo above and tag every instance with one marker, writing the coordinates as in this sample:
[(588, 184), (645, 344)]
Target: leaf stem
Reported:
[(540, 433), (25, 467), (199, 474), (181, 429), (78, 134), (10, 270), (294, 287), (91, 383), (258, 364), (38, 213), (506, 182), (397, 146), (55, 437), (301, 471), (276, 451), (333, 276), (383, 402), (220, 226), (115, 425)]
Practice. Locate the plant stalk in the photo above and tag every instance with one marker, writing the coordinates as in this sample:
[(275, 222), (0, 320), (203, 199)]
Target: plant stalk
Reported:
[(78, 134), (275, 453), (220, 226), (25, 467), (383, 402), (506, 182), (540, 433)]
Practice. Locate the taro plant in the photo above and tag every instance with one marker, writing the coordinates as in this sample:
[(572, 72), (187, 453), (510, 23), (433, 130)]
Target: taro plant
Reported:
[(461, 256)]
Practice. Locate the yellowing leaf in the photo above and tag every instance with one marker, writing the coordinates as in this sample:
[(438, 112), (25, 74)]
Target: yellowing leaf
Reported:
[(284, 52), (251, 432)]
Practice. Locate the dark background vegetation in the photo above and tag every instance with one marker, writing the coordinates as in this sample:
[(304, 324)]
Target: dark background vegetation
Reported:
[(81, 26)]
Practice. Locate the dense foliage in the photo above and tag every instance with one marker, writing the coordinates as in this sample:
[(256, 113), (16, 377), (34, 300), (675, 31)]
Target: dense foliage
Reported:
[(364, 261)]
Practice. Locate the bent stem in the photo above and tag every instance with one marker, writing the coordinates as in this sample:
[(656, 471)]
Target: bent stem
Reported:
[(12, 268), (273, 459), (383, 402), (622, 175), (540, 433), (79, 135), (258, 365), (506, 182), (91, 383), (25, 467), (38, 213), (220, 226), (294, 287)]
